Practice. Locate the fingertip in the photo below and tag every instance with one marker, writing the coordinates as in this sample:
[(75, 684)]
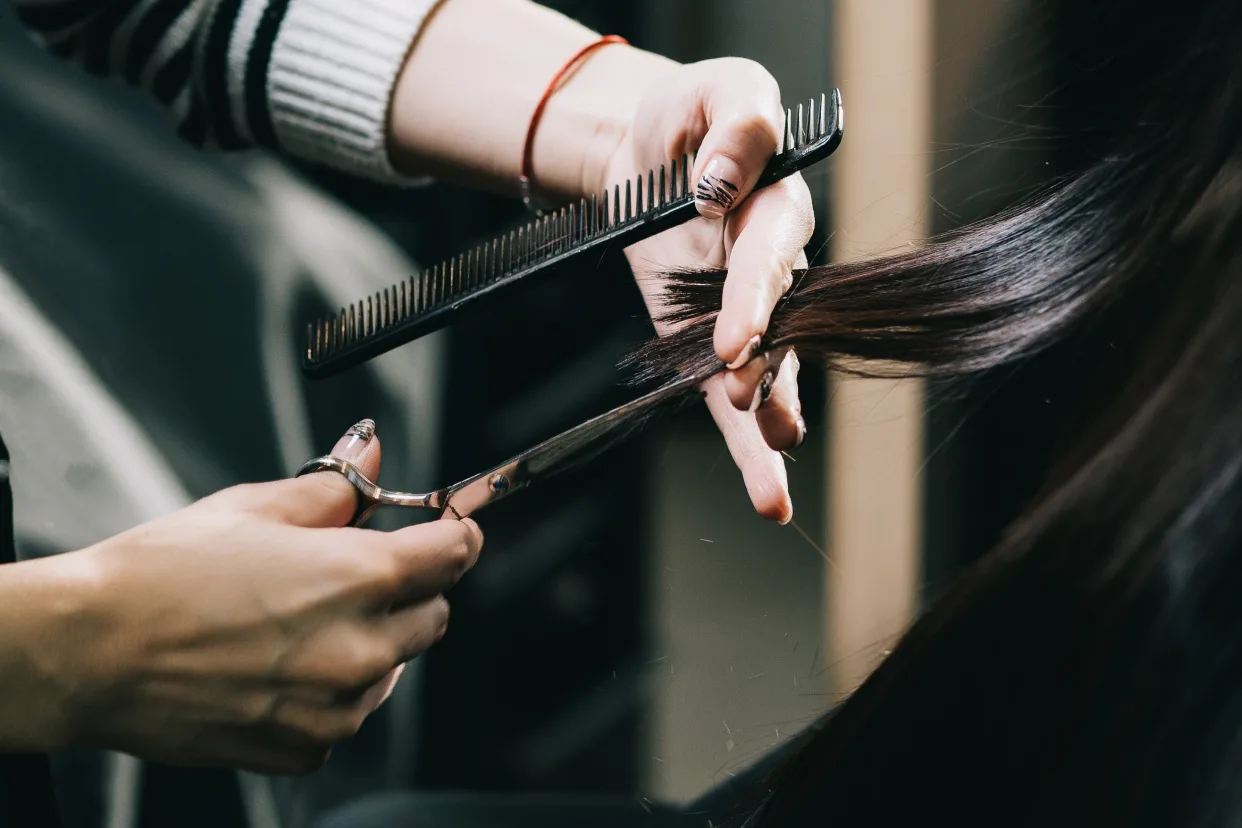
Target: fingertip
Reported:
[(475, 539), (751, 386), (743, 386), (361, 446), (785, 516), (773, 504), (768, 487), (370, 459), (735, 344), (780, 418), (472, 528)]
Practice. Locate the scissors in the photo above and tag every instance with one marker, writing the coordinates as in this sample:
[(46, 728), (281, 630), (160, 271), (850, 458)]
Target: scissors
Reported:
[(567, 450)]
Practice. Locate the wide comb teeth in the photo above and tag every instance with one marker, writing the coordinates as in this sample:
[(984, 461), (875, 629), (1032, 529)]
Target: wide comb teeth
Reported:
[(808, 123), (623, 215)]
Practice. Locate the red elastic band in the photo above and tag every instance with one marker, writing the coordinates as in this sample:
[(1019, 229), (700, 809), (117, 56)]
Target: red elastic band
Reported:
[(528, 151)]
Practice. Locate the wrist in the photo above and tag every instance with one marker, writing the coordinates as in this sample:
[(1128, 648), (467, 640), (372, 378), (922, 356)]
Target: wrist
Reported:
[(49, 633), (465, 97), (588, 119)]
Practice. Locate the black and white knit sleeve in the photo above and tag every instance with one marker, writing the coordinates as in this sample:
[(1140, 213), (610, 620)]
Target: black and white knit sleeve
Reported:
[(311, 78)]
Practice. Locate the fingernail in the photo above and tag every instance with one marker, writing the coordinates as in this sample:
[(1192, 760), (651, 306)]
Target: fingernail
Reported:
[(355, 440), (801, 433), (748, 353), (764, 389), (717, 189)]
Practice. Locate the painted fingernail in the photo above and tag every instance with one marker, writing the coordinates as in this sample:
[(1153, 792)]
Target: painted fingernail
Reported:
[(355, 440), (717, 189), (801, 433), (764, 389), (748, 353)]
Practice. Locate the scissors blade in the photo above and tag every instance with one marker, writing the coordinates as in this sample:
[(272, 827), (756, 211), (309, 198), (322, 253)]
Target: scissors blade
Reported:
[(567, 450)]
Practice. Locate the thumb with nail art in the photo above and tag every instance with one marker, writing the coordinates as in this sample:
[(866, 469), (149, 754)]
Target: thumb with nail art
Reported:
[(332, 494)]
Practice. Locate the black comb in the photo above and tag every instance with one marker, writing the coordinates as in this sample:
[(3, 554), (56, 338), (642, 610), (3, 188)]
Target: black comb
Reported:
[(576, 235)]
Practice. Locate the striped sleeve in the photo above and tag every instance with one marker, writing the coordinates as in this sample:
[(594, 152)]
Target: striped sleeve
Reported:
[(310, 78)]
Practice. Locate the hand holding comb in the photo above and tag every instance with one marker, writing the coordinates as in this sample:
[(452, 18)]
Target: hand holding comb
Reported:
[(571, 238)]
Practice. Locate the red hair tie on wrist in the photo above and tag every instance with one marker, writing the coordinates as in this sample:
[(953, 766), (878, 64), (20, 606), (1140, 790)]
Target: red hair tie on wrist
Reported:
[(528, 151)]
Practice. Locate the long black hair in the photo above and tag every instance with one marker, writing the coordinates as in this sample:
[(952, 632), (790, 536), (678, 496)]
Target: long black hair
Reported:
[(1089, 670)]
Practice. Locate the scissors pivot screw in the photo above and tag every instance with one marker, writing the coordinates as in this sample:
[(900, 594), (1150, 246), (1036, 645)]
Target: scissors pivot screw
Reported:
[(498, 482)]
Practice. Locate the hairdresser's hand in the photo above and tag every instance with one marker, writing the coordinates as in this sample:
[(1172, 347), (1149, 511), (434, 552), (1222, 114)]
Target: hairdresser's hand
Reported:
[(251, 630), (729, 112)]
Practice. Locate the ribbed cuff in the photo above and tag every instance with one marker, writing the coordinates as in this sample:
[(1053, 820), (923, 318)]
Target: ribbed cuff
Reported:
[(330, 83)]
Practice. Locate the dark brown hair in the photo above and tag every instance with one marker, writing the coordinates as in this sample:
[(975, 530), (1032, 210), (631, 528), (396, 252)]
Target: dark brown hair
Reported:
[(1089, 670)]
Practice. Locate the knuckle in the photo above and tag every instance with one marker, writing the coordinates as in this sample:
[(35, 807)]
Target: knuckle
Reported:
[(790, 220), (800, 194), (365, 663), (260, 709), (757, 71), (768, 88), (440, 616), (431, 627), (755, 126), (380, 573), (800, 207), (457, 554), (784, 280), (332, 490)]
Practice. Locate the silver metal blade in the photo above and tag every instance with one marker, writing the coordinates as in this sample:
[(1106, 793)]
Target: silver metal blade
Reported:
[(565, 451)]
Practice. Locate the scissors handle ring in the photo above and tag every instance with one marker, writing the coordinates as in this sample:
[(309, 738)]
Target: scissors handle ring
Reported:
[(366, 491), (370, 495)]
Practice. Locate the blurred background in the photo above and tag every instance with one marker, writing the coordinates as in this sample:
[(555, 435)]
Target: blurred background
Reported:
[(635, 629)]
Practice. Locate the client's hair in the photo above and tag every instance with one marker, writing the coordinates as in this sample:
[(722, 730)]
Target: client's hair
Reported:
[(1089, 670)]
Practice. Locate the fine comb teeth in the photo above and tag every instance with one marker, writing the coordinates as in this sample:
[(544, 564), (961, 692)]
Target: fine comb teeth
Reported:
[(575, 235)]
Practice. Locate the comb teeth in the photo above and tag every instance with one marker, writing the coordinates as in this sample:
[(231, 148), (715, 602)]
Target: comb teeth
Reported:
[(654, 200), (807, 124)]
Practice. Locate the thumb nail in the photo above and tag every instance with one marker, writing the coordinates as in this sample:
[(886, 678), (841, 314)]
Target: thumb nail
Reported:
[(717, 189), (351, 446)]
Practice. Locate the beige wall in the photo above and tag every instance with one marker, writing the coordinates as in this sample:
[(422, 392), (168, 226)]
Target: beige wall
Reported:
[(880, 193)]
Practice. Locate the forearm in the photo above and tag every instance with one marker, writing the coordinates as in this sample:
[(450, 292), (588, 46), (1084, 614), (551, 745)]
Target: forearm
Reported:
[(465, 98), (45, 630)]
